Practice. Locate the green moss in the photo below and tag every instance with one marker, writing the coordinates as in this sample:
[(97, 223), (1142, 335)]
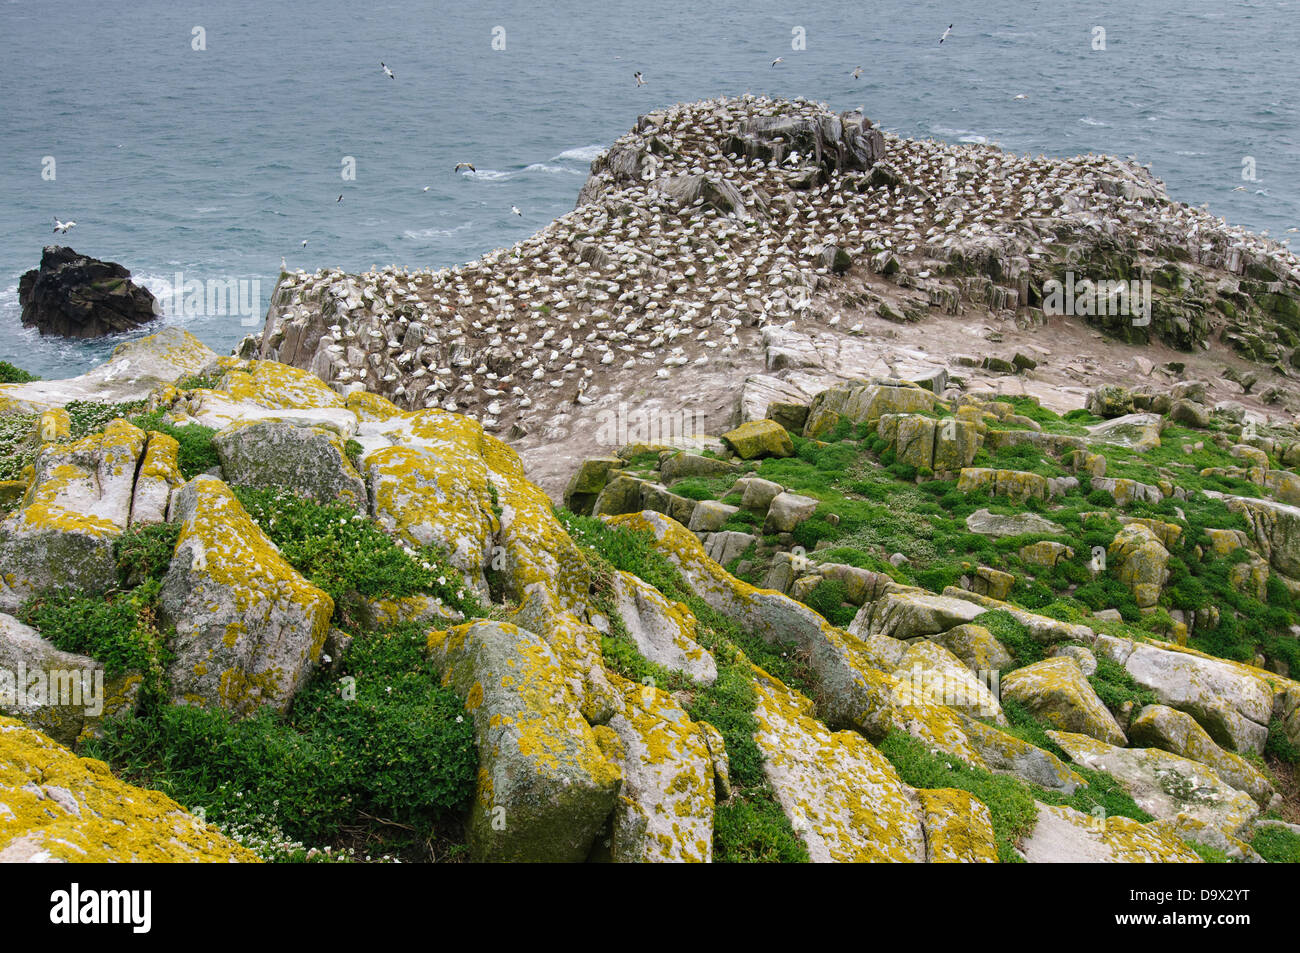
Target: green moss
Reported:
[(197, 453), (1013, 635), (1115, 686)]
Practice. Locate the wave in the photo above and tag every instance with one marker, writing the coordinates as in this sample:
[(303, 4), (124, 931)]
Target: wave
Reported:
[(496, 175), (436, 232), (1089, 121), (581, 154)]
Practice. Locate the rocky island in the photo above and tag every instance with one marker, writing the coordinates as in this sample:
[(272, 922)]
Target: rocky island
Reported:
[(766, 507)]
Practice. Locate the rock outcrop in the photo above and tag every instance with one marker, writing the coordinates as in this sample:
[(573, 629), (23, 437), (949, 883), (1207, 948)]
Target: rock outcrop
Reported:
[(75, 296)]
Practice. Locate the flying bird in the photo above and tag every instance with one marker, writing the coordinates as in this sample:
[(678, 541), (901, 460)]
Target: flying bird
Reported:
[(945, 34), (387, 71), (779, 59), (338, 200), (62, 227), (640, 81), (515, 209), (304, 243), (464, 165), (857, 73), (1022, 96)]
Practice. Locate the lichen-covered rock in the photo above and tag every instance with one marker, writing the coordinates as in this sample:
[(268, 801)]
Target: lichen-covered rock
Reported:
[(1140, 561), (709, 516), (664, 632), (994, 583), (1063, 835), (436, 491), (1017, 524), (576, 646), (60, 693), (544, 787), (310, 461), (1165, 785), (1275, 529), (1159, 726), (664, 811), (681, 465), (1232, 701), (786, 511), (1016, 485), (726, 545), (587, 482), (843, 798), (56, 807), (911, 614), (935, 673), (958, 827), (248, 626), (1041, 628), (78, 505), (1045, 553), (158, 476), (1006, 754), (1138, 432), (1081, 655), (132, 373), (622, 494), (867, 402), (756, 493), (1056, 690), (975, 646), (852, 689), (759, 438)]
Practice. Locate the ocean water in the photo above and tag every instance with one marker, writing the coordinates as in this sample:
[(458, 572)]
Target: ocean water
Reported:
[(214, 164)]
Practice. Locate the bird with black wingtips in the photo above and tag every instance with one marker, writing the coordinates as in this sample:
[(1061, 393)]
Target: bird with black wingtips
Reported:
[(945, 34), (464, 165), (640, 80), (387, 71), (62, 227)]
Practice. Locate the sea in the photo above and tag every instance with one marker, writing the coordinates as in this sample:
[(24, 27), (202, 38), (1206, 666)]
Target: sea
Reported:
[(205, 142)]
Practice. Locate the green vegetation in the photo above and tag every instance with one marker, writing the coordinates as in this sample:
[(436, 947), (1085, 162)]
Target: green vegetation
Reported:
[(15, 375), (120, 630), (144, 552), (197, 452), (347, 554), (200, 381), (89, 417), (393, 763), (1115, 686), (1277, 845)]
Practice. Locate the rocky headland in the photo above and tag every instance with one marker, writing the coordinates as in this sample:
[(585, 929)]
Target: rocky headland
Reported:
[(755, 510)]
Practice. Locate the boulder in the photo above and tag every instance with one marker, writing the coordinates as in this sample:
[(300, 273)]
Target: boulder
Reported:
[(709, 516), (1063, 835), (61, 808), (1017, 524), (1140, 561), (588, 481), (1275, 530), (975, 646), (759, 438), (682, 465), (786, 511), (249, 628), (60, 693), (1233, 702), (75, 296), (936, 674), (757, 493), (664, 632), (1137, 432), (1056, 691), (912, 614), (664, 811), (79, 504), (310, 461), (1016, 485), (1158, 726), (1004, 753), (1164, 784), (544, 787), (726, 545)]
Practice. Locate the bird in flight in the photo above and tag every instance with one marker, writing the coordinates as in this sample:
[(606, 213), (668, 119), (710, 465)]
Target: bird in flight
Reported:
[(857, 73), (945, 34), (387, 71), (304, 243), (339, 199), (62, 227), (464, 165), (640, 81), (515, 209), (779, 59)]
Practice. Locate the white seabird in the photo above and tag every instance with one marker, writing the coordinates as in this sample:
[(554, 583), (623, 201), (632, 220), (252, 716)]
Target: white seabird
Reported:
[(945, 34), (463, 165), (62, 227), (779, 59), (387, 71), (515, 209), (640, 81)]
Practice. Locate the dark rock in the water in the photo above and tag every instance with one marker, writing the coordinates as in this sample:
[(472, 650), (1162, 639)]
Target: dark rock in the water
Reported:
[(74, 296)]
